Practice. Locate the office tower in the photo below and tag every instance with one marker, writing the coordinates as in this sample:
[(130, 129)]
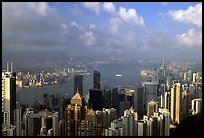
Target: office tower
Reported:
[(95, 99), (115, 99), (33, 125), (194, 77), (62, 127), (165, 100), (78, 84), (185, 103), (17, 120), (152, 107), (150, 91), (165, 115), (105, 116), (96, 80), (8, 95), (45, 104), (107, 98), (89, 126), (139, 100), (196, 106), (176, 102), (123, 105), (75, 112), (99, 117), (141, 128)]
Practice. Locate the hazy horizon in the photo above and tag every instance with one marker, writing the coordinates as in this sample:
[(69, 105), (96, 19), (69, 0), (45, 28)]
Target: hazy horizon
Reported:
[(133, 30)]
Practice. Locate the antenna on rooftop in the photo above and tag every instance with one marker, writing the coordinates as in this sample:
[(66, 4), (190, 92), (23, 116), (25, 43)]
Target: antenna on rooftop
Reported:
[(11, 67), (7, 66)]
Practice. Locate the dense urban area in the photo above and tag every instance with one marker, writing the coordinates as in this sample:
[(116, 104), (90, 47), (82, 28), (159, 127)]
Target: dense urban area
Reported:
[(154, 107)]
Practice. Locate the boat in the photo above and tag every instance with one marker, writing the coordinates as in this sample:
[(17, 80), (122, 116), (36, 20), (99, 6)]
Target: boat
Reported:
[(118, 75)]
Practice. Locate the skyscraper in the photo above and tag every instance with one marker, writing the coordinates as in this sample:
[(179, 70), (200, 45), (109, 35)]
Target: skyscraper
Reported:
[(90, 126), (78, 84), (96, 80), (95, 99), (139, 100), (75, 113), (196, 106), (151, 108), (8, 95), (176, 102), (150, 92), (165, 100)]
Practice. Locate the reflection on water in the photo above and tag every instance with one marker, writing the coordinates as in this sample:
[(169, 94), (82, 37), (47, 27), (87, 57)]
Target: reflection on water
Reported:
[(129, 77)]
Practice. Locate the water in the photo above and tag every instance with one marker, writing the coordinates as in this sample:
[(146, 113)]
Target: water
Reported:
[(129, 77)]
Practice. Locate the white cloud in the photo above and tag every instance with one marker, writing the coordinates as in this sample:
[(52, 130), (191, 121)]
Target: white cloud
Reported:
[(115, 24), (109, 7), (88, 38), (64, 26), (192, 15), (73, 23), (190, 39), (131, 16), (92, 26), (95, 6)]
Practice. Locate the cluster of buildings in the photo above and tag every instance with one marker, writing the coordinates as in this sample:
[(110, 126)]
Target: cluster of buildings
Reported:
[(37, 80), (149, 109)]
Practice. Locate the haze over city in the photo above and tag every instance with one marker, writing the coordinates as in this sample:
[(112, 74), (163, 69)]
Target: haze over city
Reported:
[(135, 30)]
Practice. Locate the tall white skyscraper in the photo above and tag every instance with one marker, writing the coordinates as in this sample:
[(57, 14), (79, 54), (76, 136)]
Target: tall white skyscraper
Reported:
[(8, 95)]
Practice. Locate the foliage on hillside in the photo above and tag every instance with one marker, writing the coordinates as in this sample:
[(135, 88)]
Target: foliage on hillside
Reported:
[(189, 126)]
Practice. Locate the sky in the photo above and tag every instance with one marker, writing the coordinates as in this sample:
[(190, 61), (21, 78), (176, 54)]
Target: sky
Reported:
[(132, 30)]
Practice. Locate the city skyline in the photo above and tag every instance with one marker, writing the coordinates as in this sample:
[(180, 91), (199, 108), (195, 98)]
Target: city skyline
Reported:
[(135, 30)]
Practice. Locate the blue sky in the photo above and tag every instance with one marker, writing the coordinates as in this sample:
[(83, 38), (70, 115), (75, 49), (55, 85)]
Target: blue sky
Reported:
[(133, 30)]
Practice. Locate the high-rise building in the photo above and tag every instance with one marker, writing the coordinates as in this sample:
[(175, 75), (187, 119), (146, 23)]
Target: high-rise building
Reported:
[(165, 100), (176, 102), (78, 84), (126, 125), (8, 95), (96, 80), (75, 113), (95, 99), (107, 98), (139, 100), (41, 123), (151, 108), (89, 126), (185, 103), (8, 130), (62, 127), (165, 122), (196, 106), (18, 120), (33, 124), (150, 92), (115, 99)]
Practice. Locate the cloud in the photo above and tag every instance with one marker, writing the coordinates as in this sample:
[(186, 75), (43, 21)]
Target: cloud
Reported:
[(131, 16), (94, 6), (193, 38), (192, 15), (115, 24), (109, 7), (88, 38), (92, 26), (73, 23)]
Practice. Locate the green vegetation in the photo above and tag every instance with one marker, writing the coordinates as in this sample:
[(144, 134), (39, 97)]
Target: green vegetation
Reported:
[(189, 126)]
